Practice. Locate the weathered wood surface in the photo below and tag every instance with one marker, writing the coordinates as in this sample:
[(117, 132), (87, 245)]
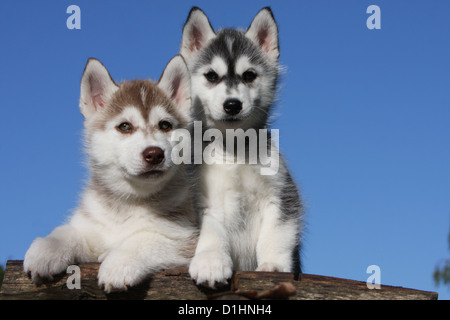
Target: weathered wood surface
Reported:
[(176, 284)]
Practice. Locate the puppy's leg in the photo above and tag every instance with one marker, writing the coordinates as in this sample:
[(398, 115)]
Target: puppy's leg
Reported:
[(212, 262), (139, 256), (52, 255), (277, 241)]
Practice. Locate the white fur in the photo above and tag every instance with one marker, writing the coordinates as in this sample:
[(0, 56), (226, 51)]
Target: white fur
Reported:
[(219, 66), (122, 220), (241, 217)]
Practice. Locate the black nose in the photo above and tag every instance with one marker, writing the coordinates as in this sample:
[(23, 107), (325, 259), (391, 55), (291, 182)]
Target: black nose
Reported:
[(153, 155), (232, 106)]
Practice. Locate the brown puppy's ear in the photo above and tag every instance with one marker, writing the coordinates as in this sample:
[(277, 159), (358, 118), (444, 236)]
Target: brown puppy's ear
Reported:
[(97, 87), (175, 81)]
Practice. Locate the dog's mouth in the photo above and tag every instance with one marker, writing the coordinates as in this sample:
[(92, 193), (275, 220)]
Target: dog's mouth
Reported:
[(232, 119), (154, 173)]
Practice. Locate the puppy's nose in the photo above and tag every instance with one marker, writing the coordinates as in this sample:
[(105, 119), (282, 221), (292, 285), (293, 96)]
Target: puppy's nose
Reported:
[(153, 155), (232, 106)]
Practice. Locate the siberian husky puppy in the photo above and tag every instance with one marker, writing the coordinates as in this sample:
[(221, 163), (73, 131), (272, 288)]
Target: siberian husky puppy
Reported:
[(251, 215), (136, 214)]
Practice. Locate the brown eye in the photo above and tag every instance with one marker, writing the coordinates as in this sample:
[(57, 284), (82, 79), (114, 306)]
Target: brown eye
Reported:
[(212, 76), (125, 127), (248, 76), (165, 125)]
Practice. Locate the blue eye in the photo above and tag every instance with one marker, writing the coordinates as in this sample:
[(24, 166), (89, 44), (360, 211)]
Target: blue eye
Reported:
[(165, 125), (125, 127)]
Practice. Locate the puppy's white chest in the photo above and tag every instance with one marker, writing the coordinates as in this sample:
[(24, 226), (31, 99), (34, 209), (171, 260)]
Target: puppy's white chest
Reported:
[(236, 196)]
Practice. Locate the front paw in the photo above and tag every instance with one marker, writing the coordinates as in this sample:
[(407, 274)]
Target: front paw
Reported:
[(119, 272), (46, 258), (210, 267), (273, 267)]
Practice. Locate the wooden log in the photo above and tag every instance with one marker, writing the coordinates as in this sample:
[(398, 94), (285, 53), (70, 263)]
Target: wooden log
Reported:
[(176, 284)]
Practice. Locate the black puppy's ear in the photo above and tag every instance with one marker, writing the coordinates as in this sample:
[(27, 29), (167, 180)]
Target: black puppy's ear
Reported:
[(264, 32), (197, 31)]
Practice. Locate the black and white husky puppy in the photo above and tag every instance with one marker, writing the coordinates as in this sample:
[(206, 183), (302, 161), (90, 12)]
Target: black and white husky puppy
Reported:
[(250, 213)]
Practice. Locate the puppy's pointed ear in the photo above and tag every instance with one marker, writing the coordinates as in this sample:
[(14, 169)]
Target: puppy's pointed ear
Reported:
[(197, 31), (97, 87), (175, 81), (264, 32)]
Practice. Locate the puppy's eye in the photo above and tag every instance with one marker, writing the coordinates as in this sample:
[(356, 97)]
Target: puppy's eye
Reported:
[(165, 125), (125, 127), (248, 76), (212, 76)]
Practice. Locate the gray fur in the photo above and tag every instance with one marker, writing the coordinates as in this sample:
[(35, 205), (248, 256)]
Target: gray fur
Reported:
[(277, 192)]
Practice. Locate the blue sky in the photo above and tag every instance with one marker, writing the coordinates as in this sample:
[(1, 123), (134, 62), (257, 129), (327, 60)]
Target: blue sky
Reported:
[(364, 119)]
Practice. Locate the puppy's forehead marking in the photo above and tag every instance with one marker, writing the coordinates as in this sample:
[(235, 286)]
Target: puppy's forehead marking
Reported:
[(132, 114), (143, 93), (219, 66), (230, 42), (159, 113), (242, 64)]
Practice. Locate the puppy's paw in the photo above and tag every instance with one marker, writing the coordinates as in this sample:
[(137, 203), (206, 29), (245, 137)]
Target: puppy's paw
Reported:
[(273, 267), (211, 267), (46, 258), (119, 272)]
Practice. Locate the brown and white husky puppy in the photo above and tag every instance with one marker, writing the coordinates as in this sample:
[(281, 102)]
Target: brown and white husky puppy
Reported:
[(136, 214)]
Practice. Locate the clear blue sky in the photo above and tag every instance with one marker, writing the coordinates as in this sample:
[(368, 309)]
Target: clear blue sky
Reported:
[(364, 119)]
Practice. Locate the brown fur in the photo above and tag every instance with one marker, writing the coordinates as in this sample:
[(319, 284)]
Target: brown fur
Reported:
[(129, 93)]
